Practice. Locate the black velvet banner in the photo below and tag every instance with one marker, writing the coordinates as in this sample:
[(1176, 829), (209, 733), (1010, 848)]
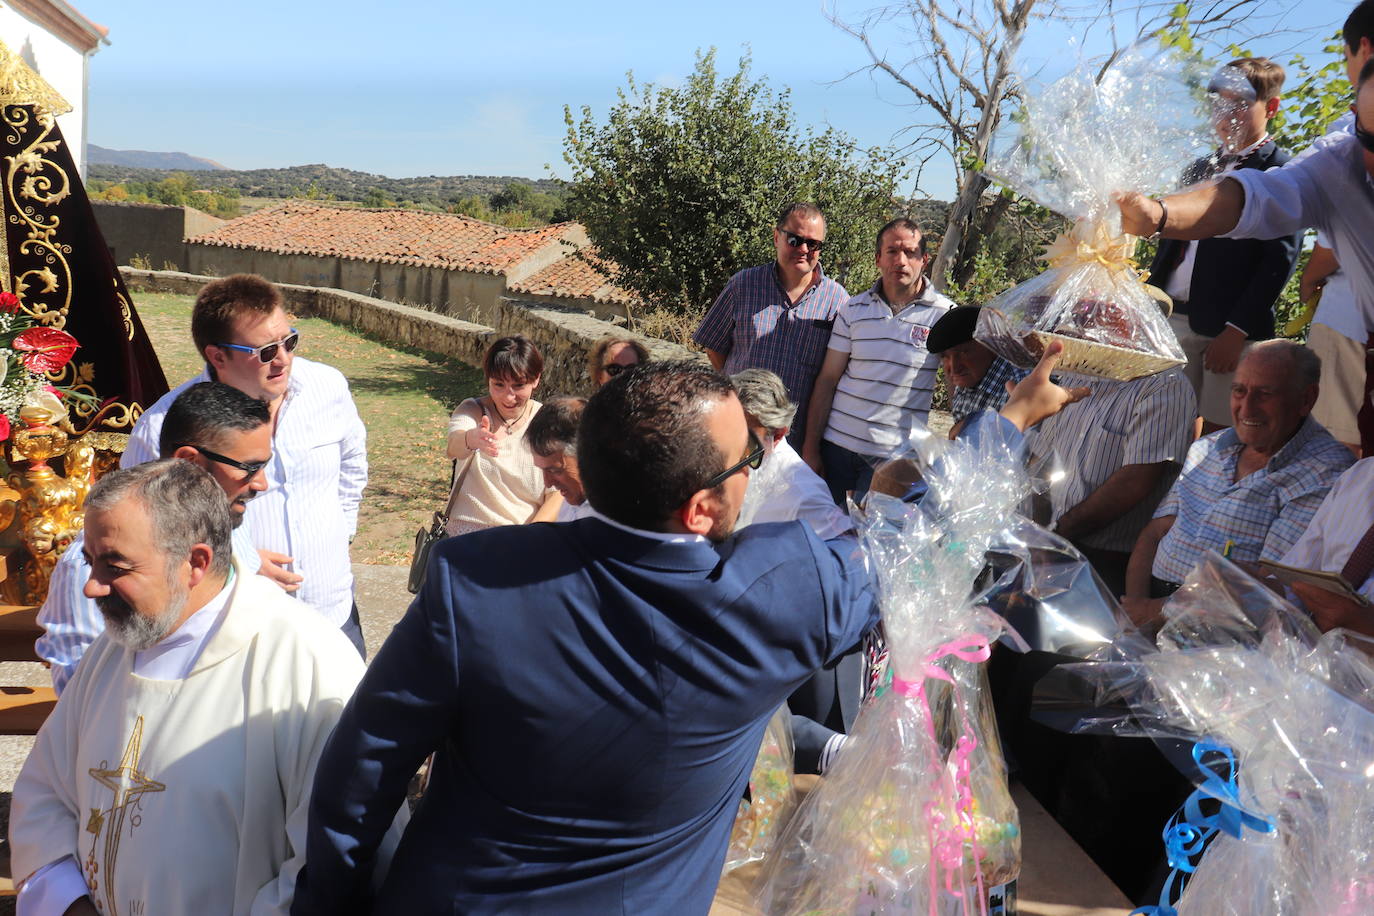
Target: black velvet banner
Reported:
[(62, 271)]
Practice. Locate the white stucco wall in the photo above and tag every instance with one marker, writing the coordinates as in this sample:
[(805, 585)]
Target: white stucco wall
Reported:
[(61, 65)]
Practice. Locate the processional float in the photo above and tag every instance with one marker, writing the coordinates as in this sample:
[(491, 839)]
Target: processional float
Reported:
[(76, 366)]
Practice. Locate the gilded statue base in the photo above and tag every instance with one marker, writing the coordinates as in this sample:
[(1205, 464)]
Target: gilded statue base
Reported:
[(44, 513)]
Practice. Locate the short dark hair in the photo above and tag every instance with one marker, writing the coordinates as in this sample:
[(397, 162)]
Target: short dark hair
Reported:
[(901, 222), (184, 504), (220, 303), (1359, 24), (203, 413), (597, 356), (554, 428), (643, 447), (515, 358), (1264, 76), (804, 207)]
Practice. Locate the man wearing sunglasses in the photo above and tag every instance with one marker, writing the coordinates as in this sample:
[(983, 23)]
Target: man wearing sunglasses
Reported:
[(594, 692), (219, 429), (778, 316), (1331, 190), (304, 521)]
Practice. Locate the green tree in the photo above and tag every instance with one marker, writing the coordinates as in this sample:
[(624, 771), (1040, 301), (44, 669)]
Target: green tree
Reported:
[(681, 185)]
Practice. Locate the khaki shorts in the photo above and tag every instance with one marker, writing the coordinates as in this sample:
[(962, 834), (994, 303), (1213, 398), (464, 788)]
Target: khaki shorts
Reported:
[(1342, 389), (1213, 389)]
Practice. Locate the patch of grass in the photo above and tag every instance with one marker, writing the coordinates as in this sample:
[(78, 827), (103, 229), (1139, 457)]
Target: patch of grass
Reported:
[(404, 397)]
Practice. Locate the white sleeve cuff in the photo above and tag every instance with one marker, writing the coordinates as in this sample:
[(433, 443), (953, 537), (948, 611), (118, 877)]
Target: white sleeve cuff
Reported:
[(832, 747), (1238, 328), (51, 889)]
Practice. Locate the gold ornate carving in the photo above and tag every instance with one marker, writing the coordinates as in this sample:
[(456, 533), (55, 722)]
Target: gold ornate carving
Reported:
[(49, 506), (20, 85)]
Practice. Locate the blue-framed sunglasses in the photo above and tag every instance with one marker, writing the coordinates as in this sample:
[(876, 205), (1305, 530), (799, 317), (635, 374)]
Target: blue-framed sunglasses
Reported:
[(268, 351)]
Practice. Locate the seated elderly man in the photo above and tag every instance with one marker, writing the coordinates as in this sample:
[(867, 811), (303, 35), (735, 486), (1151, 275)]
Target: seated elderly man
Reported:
[(976, 376), (1247, 492), (552, 435), (175, 774), (784, 487)]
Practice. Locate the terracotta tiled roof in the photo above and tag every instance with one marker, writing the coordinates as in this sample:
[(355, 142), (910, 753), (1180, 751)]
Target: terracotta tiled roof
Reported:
[(575, 278), (391, 236)]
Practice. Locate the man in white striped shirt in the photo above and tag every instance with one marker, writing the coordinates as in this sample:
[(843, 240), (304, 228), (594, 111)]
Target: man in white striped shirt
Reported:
[(1119, 451), (878, 378), (303, 523)]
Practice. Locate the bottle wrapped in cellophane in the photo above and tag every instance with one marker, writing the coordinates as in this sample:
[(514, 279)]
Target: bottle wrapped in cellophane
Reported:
[(914, 815), (772, 798)]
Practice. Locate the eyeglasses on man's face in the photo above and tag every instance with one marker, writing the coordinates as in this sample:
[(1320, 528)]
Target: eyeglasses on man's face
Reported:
[(797, 241), (614, 369), (753, 460), (268, 351), (1365, 137), (248, 467)]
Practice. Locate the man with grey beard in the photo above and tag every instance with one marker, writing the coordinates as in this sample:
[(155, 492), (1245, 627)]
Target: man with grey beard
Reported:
[(193, 723), (214, 426)]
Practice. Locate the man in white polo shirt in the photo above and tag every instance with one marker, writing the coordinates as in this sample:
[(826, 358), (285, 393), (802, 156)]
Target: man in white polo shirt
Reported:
[(878, 378)]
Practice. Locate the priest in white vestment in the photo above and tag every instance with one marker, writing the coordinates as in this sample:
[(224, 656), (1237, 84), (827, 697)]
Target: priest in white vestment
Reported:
[(174, 775)]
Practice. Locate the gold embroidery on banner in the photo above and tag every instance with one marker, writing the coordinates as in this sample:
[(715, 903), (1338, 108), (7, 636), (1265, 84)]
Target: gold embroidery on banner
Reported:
[(129, 786), (124, 311), (32, 183)]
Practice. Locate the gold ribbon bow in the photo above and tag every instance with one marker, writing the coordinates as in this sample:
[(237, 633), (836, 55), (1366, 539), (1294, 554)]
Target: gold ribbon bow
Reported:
[(1092, 243)]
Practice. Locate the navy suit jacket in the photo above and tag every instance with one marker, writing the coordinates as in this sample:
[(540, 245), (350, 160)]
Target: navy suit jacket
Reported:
[(1235, 281), (596, 699)]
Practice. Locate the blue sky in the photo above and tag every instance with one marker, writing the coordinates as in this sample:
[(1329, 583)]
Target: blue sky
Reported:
[(421, 87)]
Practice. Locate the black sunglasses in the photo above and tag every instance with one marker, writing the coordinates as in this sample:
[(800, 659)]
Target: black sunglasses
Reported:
[(268, 352), (1365, 137), (797, 241), (753, 459), (614, 369), (248, 467)]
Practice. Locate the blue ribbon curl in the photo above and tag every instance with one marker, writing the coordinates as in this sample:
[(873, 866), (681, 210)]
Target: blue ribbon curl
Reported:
[(1191, 829)]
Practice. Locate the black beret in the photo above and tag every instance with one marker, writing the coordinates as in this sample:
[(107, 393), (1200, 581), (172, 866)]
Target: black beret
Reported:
[(954, 327)]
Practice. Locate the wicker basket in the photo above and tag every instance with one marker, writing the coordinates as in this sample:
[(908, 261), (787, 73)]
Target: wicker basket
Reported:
[(1103, 360)]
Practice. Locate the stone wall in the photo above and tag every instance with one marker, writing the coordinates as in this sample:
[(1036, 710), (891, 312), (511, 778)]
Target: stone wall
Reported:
[(153, 231), (565, 336), (459, 293)]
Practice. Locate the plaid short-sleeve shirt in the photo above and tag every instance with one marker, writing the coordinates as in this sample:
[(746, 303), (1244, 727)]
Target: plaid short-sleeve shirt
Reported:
[(991, 391), (756, 326), (1258, 517)]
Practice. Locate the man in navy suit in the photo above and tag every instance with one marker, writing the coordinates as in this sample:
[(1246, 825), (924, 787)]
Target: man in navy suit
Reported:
[(1224, 289), (594, 692)]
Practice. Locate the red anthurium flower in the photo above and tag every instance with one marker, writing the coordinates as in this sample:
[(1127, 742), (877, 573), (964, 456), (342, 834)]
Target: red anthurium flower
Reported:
[(4, 427), (9, 302), (45, 349)]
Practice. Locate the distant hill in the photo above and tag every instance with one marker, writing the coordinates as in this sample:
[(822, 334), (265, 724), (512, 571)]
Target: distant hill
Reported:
[(342, 184), (143, 159)]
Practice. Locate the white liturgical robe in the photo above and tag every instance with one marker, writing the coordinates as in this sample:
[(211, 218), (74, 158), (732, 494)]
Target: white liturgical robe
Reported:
[(189, 795)]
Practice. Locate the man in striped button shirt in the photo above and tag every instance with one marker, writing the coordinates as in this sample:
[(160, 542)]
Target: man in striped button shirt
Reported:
[(1118, 453), (778, 316), (878, 377)]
